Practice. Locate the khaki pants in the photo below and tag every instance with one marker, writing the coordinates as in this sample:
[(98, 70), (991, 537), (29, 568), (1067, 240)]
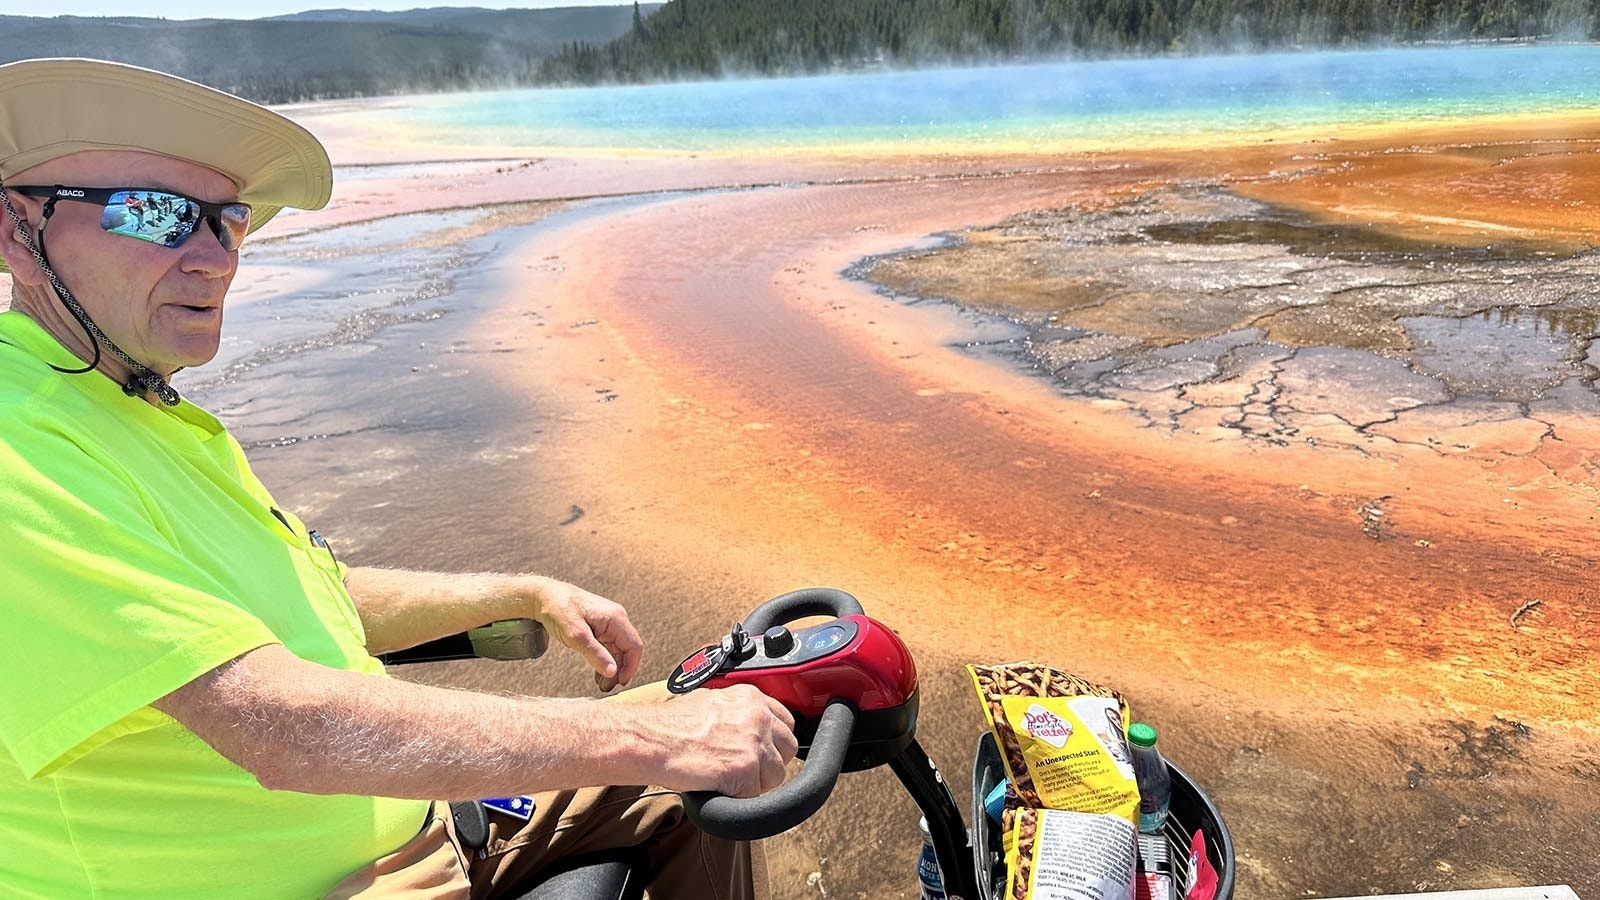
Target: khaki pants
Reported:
[(684, 863)]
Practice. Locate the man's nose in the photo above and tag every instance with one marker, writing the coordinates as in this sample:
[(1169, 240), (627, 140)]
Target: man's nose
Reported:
[(203, 253)]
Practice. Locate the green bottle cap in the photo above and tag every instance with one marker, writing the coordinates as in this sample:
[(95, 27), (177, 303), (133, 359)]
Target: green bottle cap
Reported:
[(1142, 735)]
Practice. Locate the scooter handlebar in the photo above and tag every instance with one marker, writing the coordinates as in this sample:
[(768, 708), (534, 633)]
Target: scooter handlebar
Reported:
[(785, 608), (508, 639), (778, 810)]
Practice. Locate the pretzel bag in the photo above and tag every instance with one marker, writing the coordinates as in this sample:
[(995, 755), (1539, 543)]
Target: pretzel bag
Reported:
[(1062, 739), (1056, 855)]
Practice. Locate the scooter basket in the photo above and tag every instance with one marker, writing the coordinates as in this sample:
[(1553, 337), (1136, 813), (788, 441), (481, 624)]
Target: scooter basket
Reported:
[(1191, 810)]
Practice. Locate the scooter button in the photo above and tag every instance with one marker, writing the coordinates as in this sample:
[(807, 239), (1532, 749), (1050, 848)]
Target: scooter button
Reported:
[(778, 641)]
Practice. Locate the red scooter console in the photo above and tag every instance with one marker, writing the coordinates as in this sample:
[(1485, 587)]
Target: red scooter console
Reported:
[(854, 658), (851, 659)]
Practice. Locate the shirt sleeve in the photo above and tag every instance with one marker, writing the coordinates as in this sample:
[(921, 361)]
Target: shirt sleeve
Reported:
[(99, 614)]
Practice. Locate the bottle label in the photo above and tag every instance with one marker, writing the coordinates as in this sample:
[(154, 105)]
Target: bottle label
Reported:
[(928, 874), (1151, 822)]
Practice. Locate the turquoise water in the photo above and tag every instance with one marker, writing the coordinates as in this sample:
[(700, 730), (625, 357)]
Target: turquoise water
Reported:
[(1148, 101)]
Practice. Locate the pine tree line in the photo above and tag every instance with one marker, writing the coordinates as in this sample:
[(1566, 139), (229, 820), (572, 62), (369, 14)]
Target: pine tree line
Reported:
[(711, 38)]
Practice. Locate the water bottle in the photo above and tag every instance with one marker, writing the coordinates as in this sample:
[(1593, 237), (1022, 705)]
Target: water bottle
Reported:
[(928, 873), (1150, 770)]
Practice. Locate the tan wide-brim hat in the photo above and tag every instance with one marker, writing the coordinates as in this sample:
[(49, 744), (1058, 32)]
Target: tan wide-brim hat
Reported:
[(50, 108)]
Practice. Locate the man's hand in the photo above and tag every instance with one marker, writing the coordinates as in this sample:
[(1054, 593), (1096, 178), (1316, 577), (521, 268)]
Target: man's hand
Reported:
[(401, 609), (597, 628), (733, 740)]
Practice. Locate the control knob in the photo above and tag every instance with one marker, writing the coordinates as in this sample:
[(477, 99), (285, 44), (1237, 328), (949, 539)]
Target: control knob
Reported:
[(778, 641)]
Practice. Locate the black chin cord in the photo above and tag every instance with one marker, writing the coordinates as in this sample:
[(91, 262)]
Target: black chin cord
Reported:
[(78, 315), (141, 380)]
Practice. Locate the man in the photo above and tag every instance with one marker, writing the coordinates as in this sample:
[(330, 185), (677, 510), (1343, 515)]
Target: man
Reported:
[(136, 206), (189, 705)]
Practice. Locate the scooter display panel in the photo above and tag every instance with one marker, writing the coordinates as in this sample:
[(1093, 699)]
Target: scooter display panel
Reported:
[(810, 644)]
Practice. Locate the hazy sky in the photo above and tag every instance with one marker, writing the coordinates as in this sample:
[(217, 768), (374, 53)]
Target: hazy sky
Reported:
[(253, 9)]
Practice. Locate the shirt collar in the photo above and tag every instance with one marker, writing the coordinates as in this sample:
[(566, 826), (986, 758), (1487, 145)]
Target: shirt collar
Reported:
[(20, 330)]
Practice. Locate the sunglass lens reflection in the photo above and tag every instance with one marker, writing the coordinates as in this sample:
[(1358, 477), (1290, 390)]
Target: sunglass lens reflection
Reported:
[(160, 218), (232, 224), (125, 215)]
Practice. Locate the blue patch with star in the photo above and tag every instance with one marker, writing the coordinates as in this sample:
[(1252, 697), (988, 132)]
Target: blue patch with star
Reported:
[(521, 807)]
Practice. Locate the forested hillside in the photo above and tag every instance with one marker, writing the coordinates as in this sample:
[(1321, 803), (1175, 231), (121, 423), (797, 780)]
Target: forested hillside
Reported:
[(328, 53), (345, 53), (704, 38)]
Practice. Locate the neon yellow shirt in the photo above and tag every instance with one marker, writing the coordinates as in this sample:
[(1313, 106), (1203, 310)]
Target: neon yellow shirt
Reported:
[(138, 551)]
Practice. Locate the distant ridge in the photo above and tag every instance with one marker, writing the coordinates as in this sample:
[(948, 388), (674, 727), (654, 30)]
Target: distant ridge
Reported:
[(424, 16), (329, 53)]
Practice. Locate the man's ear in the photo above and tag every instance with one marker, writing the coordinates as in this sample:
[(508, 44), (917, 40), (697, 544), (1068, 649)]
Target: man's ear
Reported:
[(24, 268)]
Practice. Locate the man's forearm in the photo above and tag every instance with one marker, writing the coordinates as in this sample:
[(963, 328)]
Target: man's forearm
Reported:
[(344, 733), (401, 608)]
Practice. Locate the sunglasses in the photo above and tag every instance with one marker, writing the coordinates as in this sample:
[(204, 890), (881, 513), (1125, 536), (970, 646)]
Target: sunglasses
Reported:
[(160, 217)]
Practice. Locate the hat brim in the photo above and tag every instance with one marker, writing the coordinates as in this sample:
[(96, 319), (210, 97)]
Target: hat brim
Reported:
[(50, 108)]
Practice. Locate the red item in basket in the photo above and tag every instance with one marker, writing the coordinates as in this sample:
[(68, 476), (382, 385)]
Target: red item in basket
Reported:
[(1152, 886), (1202, 877)]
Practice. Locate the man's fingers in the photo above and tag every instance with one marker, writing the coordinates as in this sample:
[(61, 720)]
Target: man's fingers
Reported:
[(781, 711), (628, 665), (788, 745), (782, 746), (625, 645), (769, 774), (628, 648), (772, 772), (584, 641)]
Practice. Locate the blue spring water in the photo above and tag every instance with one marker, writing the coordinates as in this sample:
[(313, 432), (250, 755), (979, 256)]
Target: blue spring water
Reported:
[(1053, 105)]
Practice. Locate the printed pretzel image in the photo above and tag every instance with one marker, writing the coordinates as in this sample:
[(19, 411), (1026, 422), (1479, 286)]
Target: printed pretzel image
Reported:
[(1027, 825)]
